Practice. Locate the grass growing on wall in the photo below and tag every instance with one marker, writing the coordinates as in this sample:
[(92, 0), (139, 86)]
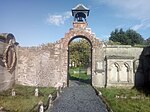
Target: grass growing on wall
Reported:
[(24, 101), (126, 100)]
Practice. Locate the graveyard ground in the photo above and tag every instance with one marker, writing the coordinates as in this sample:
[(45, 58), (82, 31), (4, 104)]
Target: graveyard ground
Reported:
[(126, 100), (24, 101), (79, 73)]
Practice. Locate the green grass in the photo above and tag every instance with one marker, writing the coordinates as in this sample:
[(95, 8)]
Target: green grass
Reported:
[(79, 73), (141, 104), (24, 101)]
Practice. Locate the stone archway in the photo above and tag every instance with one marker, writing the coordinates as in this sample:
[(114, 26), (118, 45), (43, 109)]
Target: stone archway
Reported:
[(80, 29), (90, 55)]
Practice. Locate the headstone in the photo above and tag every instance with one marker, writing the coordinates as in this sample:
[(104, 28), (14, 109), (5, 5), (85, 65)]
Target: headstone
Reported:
[(73, 64), (50, 100), (41, 108), (13, 93), (88, 71), (1, 108), (58, 91), (100, 93), (36, 92)]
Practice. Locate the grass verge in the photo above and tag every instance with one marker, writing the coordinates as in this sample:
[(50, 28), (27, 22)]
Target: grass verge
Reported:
[(24, 101), (126, 100)]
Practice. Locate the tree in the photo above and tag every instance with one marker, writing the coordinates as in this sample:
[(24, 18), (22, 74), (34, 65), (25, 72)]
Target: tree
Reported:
[(147, 41), (134, 37), (130, 37), (118, 36), (80, 52)]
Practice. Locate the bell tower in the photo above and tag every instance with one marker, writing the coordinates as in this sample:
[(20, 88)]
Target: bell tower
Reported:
[(80, 13)]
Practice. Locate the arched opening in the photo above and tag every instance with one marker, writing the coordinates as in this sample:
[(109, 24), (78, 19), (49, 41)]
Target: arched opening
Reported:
[(79, 61)]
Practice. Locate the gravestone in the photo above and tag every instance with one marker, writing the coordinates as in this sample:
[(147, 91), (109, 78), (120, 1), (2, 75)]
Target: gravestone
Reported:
[(36, 92)]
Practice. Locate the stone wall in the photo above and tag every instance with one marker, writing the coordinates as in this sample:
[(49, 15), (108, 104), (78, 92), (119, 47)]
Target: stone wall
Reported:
[(7, 79), (40, 66), (47, 65), (118, 67), (122, 63), (123, 50), (8, 57)]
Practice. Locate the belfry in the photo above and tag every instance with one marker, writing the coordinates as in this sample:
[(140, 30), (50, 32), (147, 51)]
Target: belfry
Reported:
[(80, 13)]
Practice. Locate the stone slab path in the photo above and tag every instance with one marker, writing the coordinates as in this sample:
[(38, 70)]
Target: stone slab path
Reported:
[(79, 97)]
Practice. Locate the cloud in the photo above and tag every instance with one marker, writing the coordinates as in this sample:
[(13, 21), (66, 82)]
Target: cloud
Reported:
[(58, 19), (138, 9), (137, 26), (143, 25)]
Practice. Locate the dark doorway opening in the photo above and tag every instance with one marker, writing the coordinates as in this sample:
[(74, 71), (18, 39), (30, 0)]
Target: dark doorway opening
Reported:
[(79, 61)]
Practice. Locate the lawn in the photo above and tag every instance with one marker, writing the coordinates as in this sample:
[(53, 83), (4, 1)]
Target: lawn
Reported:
[(24, 101), (126, 100), (78, 73)]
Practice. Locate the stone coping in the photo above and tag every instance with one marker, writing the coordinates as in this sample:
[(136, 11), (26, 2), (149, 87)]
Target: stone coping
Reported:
[(118, 46), (119, 57)]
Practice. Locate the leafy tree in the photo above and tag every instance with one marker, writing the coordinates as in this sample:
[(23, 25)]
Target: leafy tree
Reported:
[(80, 52), (129, 37), (110, 42), (134, 37)]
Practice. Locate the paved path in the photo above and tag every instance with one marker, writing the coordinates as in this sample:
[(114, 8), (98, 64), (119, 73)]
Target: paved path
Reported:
[(79, 97)]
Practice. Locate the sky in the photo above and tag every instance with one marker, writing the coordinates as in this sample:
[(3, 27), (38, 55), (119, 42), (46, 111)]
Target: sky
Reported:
[(35, 22)]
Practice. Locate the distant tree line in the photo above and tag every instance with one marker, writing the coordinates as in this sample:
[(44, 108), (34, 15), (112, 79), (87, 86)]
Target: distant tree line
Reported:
[(128, 37)]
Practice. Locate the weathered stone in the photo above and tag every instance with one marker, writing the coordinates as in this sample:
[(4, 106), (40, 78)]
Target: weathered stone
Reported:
[(36, 92), (8, 60), (13, 93)]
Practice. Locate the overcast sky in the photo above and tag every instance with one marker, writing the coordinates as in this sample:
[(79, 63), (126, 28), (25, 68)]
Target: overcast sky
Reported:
[(34, 22)]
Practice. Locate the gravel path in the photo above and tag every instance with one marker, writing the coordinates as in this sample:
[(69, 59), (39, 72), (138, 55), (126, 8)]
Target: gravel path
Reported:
[(79, 97)]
